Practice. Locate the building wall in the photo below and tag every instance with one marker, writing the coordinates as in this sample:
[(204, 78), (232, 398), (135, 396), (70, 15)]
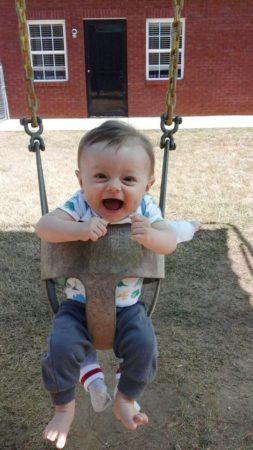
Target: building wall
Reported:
[(218, 57)]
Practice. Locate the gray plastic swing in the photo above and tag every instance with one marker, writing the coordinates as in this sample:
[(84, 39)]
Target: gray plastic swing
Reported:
[(100, 266)]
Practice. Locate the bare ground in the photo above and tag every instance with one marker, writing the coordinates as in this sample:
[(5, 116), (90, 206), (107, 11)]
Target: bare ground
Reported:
[(202, 396)]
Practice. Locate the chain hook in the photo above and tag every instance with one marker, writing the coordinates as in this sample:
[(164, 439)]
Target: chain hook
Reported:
[(35, 135), (169, 132)]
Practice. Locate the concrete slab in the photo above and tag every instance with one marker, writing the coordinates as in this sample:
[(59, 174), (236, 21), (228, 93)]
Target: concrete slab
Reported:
[(142, 123)]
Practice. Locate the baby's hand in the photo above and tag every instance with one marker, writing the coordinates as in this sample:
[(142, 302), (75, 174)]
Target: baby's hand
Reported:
[(140, 229), (95, 228)]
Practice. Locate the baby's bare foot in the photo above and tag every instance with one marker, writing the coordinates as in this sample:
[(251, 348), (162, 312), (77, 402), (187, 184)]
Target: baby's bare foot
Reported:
[(125, 411), (58, 428)]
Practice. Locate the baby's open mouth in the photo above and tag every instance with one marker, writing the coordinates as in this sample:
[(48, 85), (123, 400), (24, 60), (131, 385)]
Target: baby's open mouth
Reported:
[(112, 204)]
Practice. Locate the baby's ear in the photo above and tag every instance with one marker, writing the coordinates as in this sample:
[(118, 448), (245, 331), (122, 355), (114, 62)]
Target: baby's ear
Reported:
[(150, 183), (78, 175)]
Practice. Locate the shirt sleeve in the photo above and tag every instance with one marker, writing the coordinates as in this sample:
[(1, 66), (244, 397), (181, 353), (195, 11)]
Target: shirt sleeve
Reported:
[(184, 230), (75, 206), (150, 209)]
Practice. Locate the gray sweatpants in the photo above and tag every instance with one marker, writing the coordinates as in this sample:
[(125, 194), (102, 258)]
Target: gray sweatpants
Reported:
[(69, 342)]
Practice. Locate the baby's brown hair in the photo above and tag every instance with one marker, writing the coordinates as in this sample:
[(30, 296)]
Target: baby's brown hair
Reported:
[(115, 134)]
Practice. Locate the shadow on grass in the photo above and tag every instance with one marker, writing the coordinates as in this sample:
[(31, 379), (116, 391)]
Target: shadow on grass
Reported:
[(202, 397)]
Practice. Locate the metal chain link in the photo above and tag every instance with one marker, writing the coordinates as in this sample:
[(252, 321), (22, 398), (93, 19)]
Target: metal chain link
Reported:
[(31, 98), (171, 92)]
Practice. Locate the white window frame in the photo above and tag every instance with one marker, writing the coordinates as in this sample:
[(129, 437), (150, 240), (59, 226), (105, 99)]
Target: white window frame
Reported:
[(49, 52), (4, 110), (160, 51)]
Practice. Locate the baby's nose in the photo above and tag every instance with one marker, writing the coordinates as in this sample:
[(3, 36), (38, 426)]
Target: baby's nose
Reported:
[(114, 186)]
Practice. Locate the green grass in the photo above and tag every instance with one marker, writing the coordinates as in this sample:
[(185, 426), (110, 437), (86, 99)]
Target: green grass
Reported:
[(202, 397)]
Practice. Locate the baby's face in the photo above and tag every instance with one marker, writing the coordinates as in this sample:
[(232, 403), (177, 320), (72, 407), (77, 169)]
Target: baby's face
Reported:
[(114, 181)]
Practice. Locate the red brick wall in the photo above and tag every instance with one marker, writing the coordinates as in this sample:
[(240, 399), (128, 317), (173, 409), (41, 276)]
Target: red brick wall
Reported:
[(218, 57)]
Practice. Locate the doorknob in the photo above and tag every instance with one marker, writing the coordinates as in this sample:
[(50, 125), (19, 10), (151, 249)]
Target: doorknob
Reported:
[(88, 71)]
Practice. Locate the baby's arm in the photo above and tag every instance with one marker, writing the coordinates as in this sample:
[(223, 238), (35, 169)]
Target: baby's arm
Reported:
[(158, 237), (59, 226)]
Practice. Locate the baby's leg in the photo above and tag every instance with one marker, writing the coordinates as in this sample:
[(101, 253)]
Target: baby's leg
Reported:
[(67, 346), (115, 391), (135, 343)]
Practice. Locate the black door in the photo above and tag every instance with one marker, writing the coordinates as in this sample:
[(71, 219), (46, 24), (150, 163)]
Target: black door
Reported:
[(105, 58)]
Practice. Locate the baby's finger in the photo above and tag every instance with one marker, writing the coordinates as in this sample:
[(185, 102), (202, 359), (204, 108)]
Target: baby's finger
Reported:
[(97, 232), (137, 237), (104, 222), (137, 225), (138, 232), (135, 217), (93, 236), (102, 228)]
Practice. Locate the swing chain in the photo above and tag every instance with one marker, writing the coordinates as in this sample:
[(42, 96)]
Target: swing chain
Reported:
[(31, 98), (35, 135), (168, 133), (174, 54)]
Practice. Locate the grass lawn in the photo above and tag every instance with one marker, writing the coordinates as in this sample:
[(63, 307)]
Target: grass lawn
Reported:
[(202, 397)]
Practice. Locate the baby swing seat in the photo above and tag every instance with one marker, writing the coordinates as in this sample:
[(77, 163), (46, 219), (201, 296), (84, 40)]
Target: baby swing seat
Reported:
[(100, 266)]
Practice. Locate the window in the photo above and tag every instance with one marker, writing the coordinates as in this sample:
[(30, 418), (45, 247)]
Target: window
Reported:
[(48, 50), (159, 43)]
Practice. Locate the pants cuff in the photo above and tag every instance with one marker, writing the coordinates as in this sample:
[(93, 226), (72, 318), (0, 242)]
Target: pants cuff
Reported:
[(130, 388), (64, 397)]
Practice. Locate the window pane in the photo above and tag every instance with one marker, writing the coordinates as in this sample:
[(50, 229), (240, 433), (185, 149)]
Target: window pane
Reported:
[(46, 30), (48, 60), (47, 45), (38, 75), (59, 60), (58, 30), (153, 29), (60, 74), (49, 75), (34, 30), (165, 29), (58, 44), (165, 58), (164, 74), (35, 45), (37, 60), (165, 42), (154, 74), (153, 58), (153, 43)]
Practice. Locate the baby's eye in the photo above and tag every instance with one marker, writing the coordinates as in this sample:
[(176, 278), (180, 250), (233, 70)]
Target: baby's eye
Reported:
[(129, 179), (100, 176)]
